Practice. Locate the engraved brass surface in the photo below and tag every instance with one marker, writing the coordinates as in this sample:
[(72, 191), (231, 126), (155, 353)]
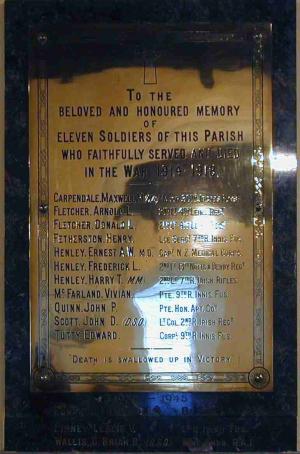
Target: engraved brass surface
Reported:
[(151, 220)]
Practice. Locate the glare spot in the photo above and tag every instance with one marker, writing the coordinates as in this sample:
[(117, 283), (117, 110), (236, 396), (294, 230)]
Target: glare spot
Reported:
[(283, 162)]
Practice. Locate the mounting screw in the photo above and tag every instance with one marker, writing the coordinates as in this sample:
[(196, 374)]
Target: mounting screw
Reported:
[(43, 208), (43, 378), (42, 39), (259, 377)]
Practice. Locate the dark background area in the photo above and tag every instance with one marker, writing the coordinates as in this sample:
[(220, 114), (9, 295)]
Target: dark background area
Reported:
[(148, 421)]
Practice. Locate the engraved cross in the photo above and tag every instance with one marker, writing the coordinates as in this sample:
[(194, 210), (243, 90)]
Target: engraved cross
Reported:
[(150, 74)]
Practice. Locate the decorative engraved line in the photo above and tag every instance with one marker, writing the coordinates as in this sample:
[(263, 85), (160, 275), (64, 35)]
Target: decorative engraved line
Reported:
[(165, 377), (258, 209), (43, 246)]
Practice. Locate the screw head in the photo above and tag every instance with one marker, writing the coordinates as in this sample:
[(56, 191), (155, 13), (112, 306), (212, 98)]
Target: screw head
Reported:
[(43, 208), (42, 39), (44, 378), (259, 377)]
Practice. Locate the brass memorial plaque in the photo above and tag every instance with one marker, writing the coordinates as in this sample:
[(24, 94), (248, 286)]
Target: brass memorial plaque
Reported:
[(151, 210)]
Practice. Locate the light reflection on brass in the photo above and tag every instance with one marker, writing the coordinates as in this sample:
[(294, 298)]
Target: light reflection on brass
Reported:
[(152, 269)]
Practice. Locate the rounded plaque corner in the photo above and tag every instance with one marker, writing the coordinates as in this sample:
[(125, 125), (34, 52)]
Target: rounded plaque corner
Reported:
[(43, 378), (259, 377)]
